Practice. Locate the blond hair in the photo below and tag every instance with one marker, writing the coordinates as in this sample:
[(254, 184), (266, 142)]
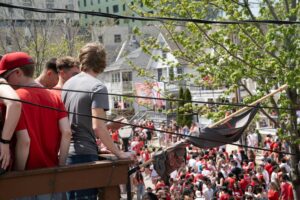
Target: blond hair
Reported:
[(92, 57)]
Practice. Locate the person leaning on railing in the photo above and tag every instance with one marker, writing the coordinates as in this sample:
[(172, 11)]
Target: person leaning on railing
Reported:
[(86, 130), (10, 111)]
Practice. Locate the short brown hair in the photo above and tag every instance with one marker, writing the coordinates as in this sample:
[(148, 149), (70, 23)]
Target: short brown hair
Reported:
[(66, 63), (92, 56), (28, 70)]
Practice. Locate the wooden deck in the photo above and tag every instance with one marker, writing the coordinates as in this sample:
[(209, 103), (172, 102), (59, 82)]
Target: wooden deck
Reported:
[(107, 175)]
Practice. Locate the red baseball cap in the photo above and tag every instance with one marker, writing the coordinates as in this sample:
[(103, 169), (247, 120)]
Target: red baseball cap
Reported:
[(14, 60)]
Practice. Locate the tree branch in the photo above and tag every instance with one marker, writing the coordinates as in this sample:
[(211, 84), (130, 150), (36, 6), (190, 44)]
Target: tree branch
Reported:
[(252, 16), (188, 59), (271, 8), (286, 4), (227, 51), (261, 110), (223, 47), (261, 47)]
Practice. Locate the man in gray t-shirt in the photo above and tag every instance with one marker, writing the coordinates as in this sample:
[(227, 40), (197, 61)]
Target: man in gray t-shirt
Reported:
[(83, 137), (92, 102)]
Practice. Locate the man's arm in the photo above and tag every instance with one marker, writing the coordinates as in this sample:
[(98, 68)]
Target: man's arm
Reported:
[(115, 125), (100, 130), (13, 111), (66, 133), (21, 149)]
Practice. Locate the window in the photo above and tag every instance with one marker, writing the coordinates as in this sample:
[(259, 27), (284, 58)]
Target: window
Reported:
[(180, 70), (116, 8), (118, 38), (98, 1), (85, 16), (99, 10), (11, 11), (171, 73), (126, 76), (50, 5), (107, 9), (100, 22), (100, 38), (115, 77), (92, 2), (124, 7), (27, 14), (79, 3), (70, 6), (84, 3), (164, 54), (159, 74)]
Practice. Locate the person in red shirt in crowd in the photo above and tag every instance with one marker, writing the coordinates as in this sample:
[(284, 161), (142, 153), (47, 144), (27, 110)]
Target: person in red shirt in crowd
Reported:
[(231, 180), (225, 154), (237, 192), (160, 184), (254, 181), (198, 177), (243, 182), (10, 111), (46, 132), (224, 194), (286, 189), (138, 147), (245, 165), (269, 167), (146, 155), (273, 193)]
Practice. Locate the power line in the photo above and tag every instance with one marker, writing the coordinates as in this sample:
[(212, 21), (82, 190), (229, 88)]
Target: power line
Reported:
[(156, 98), (153, 129), (158, 19)]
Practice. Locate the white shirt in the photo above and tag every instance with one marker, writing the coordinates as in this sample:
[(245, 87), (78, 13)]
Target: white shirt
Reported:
[(208, 193), (274, 177), (266, 176), (286, 166), (192, 162)]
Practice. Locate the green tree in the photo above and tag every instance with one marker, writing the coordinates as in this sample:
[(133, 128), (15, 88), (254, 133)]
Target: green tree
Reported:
[(265, 53), (180, 109), (188, 116)]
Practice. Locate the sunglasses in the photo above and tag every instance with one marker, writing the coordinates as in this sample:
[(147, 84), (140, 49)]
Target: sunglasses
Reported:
[(8, 73)]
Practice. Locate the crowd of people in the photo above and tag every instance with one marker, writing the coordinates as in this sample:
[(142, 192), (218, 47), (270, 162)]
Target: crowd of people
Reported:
[(34, 137), (217, 173)]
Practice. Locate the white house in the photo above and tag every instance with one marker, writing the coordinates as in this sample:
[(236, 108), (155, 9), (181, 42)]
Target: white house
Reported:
[(121, 78)]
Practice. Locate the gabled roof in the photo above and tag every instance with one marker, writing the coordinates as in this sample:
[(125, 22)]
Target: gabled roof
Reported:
[(131, 51), (138, 57)]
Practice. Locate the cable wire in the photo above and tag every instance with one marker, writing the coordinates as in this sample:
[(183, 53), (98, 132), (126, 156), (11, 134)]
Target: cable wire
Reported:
[(152, 129), (158, 19), (156, 98)]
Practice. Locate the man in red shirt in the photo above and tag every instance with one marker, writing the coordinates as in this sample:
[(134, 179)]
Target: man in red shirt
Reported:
[(46, 131), (286, 189)]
